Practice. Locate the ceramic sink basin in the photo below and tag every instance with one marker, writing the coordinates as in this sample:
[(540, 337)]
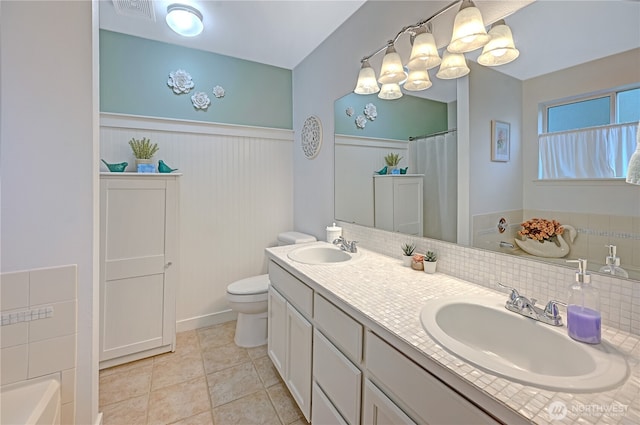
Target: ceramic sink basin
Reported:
[(482, 332), (324, 253)]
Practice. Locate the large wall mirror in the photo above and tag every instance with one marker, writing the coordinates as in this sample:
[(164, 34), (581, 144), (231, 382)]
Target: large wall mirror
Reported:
[(469, 197)]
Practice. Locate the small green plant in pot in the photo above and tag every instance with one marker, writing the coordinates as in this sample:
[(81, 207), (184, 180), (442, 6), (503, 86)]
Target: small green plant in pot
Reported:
[(407, 251), (392, 160), (430, 262), (143, 151)]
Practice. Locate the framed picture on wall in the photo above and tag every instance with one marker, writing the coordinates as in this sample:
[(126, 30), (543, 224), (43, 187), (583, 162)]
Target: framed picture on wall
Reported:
[(500, 141)]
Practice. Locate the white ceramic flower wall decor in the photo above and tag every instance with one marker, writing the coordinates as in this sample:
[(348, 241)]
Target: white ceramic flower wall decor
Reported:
[(180, 81), (361, 121), (200, 100), (218, 92), (370, 111), (349, 111)]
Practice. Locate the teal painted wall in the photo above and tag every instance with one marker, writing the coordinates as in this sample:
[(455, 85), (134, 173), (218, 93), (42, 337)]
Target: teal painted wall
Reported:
[(134, 73), (397, 119)]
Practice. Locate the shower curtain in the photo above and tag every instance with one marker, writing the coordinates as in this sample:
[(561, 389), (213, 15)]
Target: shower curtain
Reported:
[(436, 158)]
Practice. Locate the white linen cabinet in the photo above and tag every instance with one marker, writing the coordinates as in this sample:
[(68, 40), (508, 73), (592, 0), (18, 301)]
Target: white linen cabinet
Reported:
[(139, 246)]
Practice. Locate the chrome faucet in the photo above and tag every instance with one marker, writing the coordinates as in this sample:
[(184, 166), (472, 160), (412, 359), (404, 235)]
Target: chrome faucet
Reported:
[(525, 307), (345, 245)]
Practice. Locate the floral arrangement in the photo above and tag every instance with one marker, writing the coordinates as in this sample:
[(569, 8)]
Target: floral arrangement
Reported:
[(541, 229)]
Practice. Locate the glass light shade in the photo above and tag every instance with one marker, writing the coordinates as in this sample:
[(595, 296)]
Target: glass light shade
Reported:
[(424, 53), (392, 70), (454, 65), (367, 83), (469, 32), (390, 91), (417, 80), (500, 49), (184, 20)]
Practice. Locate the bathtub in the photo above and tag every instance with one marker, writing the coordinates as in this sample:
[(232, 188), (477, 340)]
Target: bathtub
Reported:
[(33, 402)]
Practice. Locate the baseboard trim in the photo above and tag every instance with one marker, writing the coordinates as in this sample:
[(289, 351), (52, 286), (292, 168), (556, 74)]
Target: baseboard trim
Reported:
[(205, 320)]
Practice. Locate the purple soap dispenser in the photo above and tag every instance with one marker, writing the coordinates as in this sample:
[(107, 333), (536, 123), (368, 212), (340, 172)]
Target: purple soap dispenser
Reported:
[(583, 309)]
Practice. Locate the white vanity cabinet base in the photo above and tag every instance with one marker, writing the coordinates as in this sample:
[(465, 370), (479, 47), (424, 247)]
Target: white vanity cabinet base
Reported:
[(378, 409), (290, 334), (338, 377), (423, 396)]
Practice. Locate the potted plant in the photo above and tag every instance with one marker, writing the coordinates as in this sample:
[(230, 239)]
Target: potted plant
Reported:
[(416, 262), (407, 251), (143, 151), (392, 160), (429, 262)]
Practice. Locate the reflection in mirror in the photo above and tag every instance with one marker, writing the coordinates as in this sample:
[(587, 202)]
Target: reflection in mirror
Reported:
[(422, 200), (603, 212)]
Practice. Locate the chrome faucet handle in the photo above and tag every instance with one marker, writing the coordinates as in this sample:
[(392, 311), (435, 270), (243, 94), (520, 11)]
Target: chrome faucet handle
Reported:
[(514, 293), (551, 310), (338, 240)]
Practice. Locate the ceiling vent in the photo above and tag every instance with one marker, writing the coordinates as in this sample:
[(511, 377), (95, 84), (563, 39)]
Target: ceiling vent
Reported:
[(135, 9)]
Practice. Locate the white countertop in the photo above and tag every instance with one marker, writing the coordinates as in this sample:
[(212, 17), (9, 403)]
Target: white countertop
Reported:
[(391, 296)]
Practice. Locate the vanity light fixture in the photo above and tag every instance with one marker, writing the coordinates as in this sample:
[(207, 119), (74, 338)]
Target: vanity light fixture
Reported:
[(500, 49), (184, 20), (367, 83), (468, 29), (469, 34), (392, 71)]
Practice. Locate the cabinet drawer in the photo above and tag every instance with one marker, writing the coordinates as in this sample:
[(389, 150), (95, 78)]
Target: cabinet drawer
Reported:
[(296, 292), (322, 411), (344, 331), (379, 410), (414, 388), (339, 379)]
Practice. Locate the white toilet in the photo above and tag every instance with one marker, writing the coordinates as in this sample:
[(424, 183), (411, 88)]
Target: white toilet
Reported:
[(249, 298)]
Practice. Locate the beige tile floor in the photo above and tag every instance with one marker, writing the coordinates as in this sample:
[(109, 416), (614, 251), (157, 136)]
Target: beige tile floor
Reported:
[(208, 380)]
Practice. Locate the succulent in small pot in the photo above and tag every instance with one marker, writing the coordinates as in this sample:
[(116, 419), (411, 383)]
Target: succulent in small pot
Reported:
[(407, 251), (430, 262)]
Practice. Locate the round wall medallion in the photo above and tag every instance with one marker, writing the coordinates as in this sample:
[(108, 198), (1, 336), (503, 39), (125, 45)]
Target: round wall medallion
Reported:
[(311, 137)]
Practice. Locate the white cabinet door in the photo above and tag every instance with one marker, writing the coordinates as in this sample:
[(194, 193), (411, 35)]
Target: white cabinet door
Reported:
[(322, 411), (379, 410), (138, 241), (299, 352), (277, 330)]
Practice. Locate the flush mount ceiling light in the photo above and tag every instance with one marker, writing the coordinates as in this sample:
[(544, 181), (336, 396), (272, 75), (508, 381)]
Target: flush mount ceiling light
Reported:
[(469, 33), (184, 20)]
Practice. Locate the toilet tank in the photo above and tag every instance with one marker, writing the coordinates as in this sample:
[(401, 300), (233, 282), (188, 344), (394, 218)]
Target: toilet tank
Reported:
[(292, 238)]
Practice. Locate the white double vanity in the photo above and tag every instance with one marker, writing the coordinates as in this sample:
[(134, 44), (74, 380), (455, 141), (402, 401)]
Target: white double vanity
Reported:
[(347, 339)]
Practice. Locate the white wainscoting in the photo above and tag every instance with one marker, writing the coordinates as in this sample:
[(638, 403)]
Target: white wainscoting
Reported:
[(236, 195)]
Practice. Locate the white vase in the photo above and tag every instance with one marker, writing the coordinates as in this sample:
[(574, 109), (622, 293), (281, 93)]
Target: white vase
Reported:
[(406, 260), (430, 266), (548, 249)]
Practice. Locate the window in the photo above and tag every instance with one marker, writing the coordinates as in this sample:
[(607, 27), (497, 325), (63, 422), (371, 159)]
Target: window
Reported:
[(589, 137), (615, 107)]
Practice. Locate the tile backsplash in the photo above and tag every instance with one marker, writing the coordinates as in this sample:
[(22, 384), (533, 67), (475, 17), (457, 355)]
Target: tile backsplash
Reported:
[(620, 298), (39, 329)]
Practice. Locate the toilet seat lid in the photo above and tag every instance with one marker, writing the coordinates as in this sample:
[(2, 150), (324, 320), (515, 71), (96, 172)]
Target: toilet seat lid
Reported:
[(250, 285)]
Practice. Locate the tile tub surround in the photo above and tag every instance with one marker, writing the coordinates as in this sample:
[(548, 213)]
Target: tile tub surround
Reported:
[(619, 298), (39, 347), (383, 294)]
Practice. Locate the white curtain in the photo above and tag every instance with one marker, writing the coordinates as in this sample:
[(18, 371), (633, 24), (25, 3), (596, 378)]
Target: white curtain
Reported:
[(436, 158), (600, 152)]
